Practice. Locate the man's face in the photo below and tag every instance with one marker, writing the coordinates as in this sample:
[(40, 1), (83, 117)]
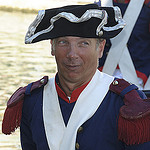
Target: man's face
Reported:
[(76, 57)]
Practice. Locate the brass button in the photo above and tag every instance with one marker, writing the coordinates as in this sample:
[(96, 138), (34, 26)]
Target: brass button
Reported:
[(77, 146), (115, 82), (42, 81), (100, 33), (80, 129)]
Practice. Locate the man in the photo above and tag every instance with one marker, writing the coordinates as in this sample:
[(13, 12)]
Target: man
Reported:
[(138, 43), (81, 108)]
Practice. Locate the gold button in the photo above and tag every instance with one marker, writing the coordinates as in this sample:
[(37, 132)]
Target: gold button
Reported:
[(42, 81), (115, 82), (80, 129), (77, 146)]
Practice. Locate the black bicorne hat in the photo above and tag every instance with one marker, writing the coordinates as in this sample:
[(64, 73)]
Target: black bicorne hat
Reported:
[(89, 21)]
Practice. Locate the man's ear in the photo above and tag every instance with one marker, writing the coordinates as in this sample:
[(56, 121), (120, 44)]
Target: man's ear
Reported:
[(52, 48), (101, 48)]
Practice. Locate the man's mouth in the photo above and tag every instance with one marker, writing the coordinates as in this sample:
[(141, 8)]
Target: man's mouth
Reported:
[(72, 67)]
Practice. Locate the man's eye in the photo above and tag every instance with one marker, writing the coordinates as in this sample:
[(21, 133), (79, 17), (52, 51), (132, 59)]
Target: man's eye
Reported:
[(61, 42), (84, 44)]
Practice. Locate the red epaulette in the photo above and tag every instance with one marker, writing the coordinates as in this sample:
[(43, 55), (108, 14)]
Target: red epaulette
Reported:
[(134, 115), (147, 2), (12, 116)]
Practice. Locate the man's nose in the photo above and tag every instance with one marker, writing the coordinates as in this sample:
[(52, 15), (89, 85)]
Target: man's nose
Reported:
[(72, 51)]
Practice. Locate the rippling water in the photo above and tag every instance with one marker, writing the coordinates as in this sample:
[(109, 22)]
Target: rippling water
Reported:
[(20, 64)]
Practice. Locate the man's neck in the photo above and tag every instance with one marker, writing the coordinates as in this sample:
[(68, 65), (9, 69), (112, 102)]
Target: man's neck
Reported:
[(68, 87)]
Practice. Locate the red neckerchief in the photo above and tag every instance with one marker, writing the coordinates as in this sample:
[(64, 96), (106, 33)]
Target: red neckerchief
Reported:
[(75, 94)]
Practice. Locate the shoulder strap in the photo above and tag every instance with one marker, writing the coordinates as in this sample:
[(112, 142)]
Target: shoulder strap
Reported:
[(13, 112), (134, 117)]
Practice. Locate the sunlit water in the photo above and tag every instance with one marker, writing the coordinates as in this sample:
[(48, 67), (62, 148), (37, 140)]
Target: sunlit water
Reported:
[(20, 64)]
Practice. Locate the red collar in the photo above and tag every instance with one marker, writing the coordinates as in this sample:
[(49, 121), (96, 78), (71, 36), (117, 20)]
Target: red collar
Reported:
[(125, 1), (75, 94)]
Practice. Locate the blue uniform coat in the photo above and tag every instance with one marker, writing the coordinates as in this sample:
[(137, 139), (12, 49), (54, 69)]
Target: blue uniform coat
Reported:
[(97, 133)]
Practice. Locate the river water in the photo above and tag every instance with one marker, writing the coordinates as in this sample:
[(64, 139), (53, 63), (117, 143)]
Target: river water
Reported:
[(20, 64)]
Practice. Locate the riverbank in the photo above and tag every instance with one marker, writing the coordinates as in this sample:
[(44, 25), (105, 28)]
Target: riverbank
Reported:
[(33, 6)]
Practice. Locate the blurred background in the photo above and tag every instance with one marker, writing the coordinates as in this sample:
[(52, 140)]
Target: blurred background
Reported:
[(20, 63)]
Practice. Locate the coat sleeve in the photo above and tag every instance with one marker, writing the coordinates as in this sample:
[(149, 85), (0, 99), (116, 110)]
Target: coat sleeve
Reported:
[(27, 142), (144, 146), (32, 127), (134, 115), (26, 133)]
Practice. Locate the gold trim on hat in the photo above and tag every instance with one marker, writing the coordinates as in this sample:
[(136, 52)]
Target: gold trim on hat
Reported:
[(118, 19)]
